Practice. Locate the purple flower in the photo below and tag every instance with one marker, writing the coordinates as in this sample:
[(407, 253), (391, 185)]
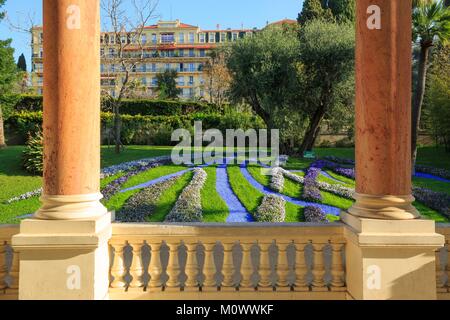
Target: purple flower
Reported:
[(315, 215)]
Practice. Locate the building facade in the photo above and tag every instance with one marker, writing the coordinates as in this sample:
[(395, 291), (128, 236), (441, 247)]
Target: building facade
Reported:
[(167, 45)]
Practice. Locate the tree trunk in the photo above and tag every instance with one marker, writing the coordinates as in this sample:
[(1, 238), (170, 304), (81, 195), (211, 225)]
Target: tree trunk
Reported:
[(313, 130), (418, 100), (117, 128), (2, 132)]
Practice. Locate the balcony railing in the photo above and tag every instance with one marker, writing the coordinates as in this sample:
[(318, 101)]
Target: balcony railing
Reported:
[(217, 261)]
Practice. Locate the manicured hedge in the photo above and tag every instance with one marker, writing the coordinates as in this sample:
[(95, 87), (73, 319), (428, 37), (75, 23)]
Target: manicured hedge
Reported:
[(145, 107), (141, 130)]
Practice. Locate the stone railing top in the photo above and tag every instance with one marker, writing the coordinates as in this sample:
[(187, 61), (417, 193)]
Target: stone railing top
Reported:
[(7, 231)]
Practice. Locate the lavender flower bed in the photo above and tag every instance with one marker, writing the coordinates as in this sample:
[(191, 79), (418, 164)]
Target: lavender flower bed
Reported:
[(434, 171), (315, 215), (293, 177), (340, 160), (346, 172), (277, 180), (336, 189), (188, 207), (143, 204), (438, 201), (112, 188), (127, 166), (272, 209), (311, 191)]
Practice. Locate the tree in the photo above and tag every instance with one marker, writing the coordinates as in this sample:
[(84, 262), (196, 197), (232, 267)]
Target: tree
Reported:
[(217, 77), (431, 25), (312, 10), (265, 74), (343, 10), (8, 77), (22, 63), (128, 51), (167, 84), (2, 14), (327, 53)]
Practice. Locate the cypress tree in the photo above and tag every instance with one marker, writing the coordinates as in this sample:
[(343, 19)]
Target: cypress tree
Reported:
[(22, 63)]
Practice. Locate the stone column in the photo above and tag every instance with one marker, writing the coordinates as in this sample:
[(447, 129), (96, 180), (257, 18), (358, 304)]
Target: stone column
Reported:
[(71, 110), (389, 251), (383, 110), (64, 247)]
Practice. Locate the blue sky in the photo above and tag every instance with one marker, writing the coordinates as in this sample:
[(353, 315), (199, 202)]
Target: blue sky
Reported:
[(204, 13)]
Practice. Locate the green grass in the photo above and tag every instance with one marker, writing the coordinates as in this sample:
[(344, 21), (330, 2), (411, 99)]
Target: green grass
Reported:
[(251, 198), (119, 199), (131, 153), (169, 197), (438, 186), (214, 208), (430, 213), (346, 181)]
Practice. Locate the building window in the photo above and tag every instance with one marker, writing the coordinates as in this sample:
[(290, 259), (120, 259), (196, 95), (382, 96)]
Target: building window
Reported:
[(191, 53), (191, 67), (113, 68), (181, 37), (202, 37), (112, 52), (181, 52), (153, 67), (112, 39), (191, 92), (192, 37), (41, 38), (102, 52), (202, 53), (235, 36), (40, 81), (212, 37), (102, 68), (144, 81), (223, 37), (144, 39), (41, 53), (167, 66), (167, 38), (154, 38), (154, 81), (181, 81), (123, 39), (191, 80)]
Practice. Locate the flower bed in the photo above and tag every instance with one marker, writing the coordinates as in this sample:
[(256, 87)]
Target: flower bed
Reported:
[(311, 191), (336, 189), (335, 167), (143, 204), (277, 180), (127, 166), (25, 196), (434, 171), (340, 160), (438, 201), (188, 207), (272, 209), (315, 215)]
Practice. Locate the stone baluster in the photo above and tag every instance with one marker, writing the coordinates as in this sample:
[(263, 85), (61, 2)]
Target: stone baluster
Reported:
[(192, 268), (14, 272), (173, 266), (337, 267), (300, 268), (282, 266), (264, 268), (439, 272), (209, 268), (118, 270), (318, 270), (136, 269), (155, 268), (246, 266), (228, 265), (3, 270)]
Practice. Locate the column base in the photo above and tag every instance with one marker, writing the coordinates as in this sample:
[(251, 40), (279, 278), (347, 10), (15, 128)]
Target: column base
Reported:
[(384, 207), (71, 207), (388, 259), (64, 259)]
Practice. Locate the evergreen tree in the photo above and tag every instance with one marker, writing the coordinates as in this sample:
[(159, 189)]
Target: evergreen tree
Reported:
[(22, 63), (167, 85), (2, 14), (314, 9), (343, 10)]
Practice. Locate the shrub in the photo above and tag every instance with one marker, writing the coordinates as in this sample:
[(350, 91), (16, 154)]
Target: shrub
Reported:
[(33, 155), (315, 215), (277, 180), (188, 207), (311, 191), (272, 209), (438, 201)]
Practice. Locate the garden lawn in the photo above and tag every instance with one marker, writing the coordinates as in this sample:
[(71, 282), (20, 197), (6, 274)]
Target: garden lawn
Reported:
[(214, 208), (169, 197), (119, 199), (251, 198)]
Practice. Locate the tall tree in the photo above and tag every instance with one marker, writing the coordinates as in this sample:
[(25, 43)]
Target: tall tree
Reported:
[(327, 52), (2, 13), (343, 10), (22, 63), (431, 25), (312, 10), (167, 84), (217, 77), (8, 77), (127, 47)]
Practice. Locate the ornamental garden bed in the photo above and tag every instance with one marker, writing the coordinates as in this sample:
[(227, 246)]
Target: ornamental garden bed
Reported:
[(152, 189)]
